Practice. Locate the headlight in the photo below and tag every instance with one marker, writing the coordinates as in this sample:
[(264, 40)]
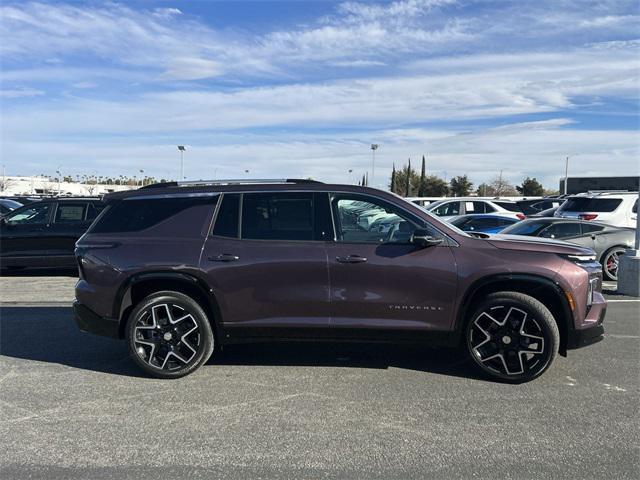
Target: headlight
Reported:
[(581, 258)]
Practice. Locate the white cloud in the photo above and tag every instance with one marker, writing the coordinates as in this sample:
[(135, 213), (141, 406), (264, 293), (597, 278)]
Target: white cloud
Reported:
[(20, 92), (520, 150)]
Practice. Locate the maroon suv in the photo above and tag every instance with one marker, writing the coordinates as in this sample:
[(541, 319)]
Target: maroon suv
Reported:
[(178, 268)]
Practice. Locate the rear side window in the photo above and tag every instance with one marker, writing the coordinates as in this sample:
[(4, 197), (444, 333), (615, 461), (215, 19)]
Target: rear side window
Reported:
[(482, 223), (510, 206), (93, 210), (561, 230), (70, 212), (590, 227), (577, 204), (447, 209), (139, 214), (278, 216), (227, 220)]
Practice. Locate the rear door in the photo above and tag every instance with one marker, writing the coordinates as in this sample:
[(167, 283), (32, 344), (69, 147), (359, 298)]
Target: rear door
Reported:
[(380, 281), (70, 220), (266, 263)]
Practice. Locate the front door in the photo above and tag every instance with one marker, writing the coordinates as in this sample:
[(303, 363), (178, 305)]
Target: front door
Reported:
[(379, 280), (269, 274), (24, 235)]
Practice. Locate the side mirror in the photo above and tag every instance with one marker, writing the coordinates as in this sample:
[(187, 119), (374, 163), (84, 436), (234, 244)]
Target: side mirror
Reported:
[(421, 238)]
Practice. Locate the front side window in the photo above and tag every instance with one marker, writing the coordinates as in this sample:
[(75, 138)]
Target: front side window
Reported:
[(35, 215), (278, 216), (373, 221), (70, 212)]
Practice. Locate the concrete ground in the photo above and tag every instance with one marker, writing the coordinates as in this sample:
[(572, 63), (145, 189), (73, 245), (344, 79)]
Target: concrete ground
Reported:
[(74, 406)]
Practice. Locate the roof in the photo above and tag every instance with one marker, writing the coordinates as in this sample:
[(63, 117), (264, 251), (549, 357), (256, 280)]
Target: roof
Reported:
[(221, 186), (610, 193)]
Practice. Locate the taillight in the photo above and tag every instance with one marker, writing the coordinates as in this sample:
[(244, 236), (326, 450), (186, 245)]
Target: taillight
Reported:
[(521, 216), (588, 216)]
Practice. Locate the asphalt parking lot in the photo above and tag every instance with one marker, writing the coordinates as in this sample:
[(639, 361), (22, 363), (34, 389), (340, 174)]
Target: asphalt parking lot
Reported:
[(74, 406)]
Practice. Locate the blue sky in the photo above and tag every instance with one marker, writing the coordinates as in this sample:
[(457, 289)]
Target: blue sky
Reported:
[(303, 88)]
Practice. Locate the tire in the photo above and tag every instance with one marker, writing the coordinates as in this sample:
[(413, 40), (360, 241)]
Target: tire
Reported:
[(512, 337), (609, 262), (169, 335)]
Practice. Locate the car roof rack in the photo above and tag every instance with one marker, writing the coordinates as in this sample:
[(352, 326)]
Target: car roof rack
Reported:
[(235, 181)]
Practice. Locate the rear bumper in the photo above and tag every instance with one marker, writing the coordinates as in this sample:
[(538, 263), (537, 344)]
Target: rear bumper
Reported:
[(90, 322)]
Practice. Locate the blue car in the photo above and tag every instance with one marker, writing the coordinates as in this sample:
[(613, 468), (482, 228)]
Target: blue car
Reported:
[(482, 223)]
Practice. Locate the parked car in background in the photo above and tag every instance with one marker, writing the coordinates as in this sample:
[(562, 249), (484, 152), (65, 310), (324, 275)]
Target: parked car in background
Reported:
[(619, 209), (608, 242), (485, 223), (43, 234), (544, 213), (537, 205), (7, 205), (452, 207), (423, 201), (177, 268)]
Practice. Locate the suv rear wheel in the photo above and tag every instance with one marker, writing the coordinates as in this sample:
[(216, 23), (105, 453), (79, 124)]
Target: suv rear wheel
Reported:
[(512, 337), (169, 335)]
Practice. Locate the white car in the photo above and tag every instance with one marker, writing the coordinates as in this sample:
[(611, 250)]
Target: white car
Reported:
[(452, 207), (619, 209)]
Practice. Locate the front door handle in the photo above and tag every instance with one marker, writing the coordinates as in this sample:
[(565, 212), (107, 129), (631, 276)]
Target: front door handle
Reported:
[(351, 259), (224, 257)]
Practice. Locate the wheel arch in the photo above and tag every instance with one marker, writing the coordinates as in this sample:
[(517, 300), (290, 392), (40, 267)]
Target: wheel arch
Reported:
[(141, 285), (541, 288), (604, 253)]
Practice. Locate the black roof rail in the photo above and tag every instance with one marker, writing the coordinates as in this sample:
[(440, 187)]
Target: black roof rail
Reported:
[(238, 181)]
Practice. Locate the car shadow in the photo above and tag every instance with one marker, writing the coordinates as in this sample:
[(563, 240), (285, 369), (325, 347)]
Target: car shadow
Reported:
[(49, 334)]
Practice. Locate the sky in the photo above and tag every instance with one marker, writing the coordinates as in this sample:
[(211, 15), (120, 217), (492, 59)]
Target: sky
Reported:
[(303, 88)]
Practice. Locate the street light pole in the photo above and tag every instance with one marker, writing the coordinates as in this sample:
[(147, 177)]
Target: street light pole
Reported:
[(374, 147), (566, 173), (182, 149)]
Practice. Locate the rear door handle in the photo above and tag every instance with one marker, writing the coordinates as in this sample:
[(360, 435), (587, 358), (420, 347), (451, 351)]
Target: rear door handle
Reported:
[(351, 259), (224, 257)]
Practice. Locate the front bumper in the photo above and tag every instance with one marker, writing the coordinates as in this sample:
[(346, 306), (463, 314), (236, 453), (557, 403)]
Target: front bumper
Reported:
[(593, 330), (89, 321)]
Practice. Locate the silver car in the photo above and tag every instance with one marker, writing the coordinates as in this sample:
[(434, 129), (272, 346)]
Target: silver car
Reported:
[(608, 242)]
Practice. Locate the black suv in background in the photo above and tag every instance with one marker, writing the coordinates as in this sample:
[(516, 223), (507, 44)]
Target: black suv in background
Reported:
[(43, 234)]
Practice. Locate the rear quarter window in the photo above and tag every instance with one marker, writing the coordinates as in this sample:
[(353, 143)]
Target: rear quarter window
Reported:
[(591, 204), (135, 215)]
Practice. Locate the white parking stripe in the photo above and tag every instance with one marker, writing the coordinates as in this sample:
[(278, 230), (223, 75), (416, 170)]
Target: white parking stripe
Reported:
[(623, 300)]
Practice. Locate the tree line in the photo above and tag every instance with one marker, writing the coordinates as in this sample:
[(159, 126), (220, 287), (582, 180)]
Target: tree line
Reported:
[(408, 183)]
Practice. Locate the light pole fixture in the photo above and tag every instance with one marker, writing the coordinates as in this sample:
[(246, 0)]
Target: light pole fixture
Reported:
[(59, 175), (374, 147), (182, 150), (566, 172)]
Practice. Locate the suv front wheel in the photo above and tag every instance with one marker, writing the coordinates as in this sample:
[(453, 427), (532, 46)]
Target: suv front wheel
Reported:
[(512, 337), (169, 335)]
